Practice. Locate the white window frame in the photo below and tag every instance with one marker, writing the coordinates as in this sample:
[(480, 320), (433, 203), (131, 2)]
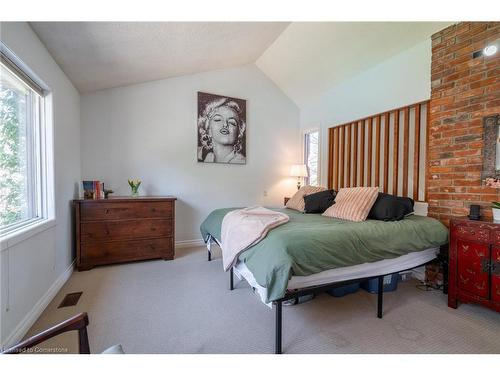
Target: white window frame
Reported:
[(305, 132), (41, 156)]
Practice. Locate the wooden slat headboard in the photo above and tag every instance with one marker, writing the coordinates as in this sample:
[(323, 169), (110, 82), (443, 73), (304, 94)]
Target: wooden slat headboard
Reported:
[(386, 150)]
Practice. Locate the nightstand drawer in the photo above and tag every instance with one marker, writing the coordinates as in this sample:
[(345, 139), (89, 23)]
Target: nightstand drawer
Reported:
[(126, 229), (113, 211)]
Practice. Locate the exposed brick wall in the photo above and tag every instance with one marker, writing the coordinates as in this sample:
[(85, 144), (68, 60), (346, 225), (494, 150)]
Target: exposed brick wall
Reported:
[(464, 90)]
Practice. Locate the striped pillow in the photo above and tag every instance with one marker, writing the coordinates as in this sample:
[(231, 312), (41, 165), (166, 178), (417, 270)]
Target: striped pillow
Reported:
[(353, 203), (297, 201)]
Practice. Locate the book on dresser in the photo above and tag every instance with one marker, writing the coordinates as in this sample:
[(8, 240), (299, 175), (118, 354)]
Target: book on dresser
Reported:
[(123, 229)]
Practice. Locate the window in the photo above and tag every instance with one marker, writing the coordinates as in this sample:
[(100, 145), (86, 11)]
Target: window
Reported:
[(23, 175), (311, 157)]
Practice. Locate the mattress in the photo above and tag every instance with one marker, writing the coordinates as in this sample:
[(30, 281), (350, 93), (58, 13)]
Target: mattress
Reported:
[(381, 267)]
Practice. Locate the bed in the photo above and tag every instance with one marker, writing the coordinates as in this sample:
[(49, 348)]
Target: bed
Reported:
[(313, 253)]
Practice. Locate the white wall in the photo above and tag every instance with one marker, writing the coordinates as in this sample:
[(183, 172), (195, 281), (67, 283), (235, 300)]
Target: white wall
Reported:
[(148, 131), (32, 270), (401, 80)]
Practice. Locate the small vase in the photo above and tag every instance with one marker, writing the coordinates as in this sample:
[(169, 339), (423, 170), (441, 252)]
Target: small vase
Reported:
[(496, 214), (135, 193)]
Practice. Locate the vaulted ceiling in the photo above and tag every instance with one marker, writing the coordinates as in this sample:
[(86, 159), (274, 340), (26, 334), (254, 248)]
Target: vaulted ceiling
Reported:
[(99, 55), (304, 59), (309, 58)]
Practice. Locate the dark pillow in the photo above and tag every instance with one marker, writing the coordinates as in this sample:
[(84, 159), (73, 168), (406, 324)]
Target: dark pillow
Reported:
[(408, 205), (388, 207), (317, 203)]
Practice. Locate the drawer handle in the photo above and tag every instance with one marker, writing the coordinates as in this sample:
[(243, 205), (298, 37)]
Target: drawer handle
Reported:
[(495, 268), (106, 211), (485, 265)]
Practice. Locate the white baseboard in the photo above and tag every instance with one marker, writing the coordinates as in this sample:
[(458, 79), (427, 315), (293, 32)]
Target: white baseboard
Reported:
[(188, 243), (30, 319)]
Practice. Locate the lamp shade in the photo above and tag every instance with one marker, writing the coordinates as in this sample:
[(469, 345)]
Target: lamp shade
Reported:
[(298, 170)]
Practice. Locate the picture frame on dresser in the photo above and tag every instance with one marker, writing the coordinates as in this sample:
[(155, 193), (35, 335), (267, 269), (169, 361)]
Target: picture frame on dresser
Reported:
[(123, 229)]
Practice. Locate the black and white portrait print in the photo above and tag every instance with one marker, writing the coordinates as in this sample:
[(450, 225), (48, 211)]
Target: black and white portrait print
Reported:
[(221, 129)]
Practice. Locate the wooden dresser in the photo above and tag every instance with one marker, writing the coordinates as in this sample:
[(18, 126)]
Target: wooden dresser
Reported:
[(123, 229), (474, 263)]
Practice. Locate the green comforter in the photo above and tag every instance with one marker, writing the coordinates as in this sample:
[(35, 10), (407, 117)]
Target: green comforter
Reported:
[(311, 243)]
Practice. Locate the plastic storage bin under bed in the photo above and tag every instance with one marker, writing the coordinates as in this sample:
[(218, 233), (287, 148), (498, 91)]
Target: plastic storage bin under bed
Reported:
[(371, 286)]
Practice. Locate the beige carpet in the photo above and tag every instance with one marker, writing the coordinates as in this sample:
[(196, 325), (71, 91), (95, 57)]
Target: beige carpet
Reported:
[(184, 306)]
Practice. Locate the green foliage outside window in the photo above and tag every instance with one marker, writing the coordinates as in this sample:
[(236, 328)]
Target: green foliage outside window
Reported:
[(13, 205)]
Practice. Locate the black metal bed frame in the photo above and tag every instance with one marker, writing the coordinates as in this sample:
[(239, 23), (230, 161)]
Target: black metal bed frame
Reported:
[(295, 294)]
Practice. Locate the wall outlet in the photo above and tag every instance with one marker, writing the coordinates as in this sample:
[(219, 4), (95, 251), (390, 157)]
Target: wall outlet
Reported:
[(264, 193)]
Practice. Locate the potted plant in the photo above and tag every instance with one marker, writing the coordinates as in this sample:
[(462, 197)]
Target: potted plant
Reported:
[(134, 186), (495, 207)]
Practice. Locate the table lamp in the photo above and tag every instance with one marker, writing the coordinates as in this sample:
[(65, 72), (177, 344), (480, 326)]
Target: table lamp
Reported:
[(298, 170)]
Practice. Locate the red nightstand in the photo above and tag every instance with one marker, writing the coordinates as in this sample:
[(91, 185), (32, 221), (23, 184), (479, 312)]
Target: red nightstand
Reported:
[(474, 263)]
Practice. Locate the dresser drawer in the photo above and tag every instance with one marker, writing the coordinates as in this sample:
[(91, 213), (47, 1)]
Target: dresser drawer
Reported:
[(127, 229), (472, 234), (114, 210), (124, 251)]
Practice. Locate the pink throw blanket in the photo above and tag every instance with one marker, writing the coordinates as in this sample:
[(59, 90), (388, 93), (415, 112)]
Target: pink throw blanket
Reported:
[(244, 228)]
